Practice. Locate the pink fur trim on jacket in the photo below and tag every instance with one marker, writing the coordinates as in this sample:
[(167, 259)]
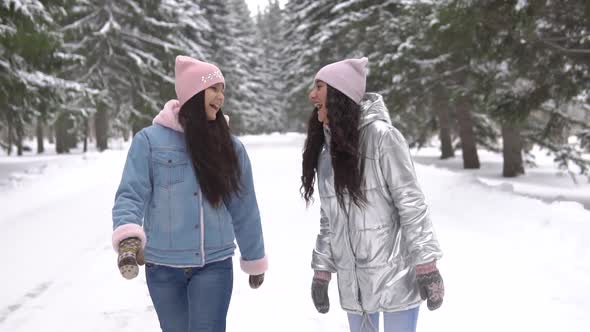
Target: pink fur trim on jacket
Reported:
[(126, 231), (168, 116), (254, 267)]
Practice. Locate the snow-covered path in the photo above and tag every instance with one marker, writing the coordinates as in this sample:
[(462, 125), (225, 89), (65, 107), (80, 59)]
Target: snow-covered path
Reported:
[(511, 263)]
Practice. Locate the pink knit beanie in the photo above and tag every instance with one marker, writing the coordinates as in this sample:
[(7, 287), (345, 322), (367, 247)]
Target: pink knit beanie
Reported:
[(194, 76), (347, 76)]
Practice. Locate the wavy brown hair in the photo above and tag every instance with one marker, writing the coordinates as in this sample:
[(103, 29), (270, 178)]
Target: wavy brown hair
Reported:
[(343, 121), (214, 158)]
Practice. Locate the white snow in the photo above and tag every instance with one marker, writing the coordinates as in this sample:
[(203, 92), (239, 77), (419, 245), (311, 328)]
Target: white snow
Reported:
[(7, 29), (523, 86), (511, 263), (259, 5), (42, 80), (545, 181), (343, 5), (430, 63), (521, 4), (28, 8)]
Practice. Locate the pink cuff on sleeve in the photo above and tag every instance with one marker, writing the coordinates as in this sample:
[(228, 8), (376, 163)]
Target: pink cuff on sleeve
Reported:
[(426, 268), (126, 231), (322, 275), (254, 267)]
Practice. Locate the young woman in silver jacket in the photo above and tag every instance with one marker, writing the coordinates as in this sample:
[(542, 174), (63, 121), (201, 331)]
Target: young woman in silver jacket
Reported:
[(375, 231)]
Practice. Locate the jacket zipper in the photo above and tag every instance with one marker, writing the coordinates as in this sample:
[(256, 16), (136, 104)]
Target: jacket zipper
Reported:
[(356, 278)]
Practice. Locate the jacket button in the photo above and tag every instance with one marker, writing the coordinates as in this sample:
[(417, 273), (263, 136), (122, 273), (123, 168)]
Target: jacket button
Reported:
[(196, 193), (169, 161), (196, 225)]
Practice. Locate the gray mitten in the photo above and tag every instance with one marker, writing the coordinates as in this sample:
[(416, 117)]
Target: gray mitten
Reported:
[(319, 291), (256, 280), (430, 284)]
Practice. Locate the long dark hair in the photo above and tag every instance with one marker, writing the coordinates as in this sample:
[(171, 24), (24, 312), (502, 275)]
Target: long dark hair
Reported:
[(343, 121), (211, 150), (311, 153)]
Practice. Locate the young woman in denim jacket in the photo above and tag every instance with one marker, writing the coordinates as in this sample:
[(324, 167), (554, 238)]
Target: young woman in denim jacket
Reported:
[(186, 193), (375, 231)]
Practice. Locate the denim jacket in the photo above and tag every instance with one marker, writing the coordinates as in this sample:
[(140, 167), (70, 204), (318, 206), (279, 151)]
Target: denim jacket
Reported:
[(160, 201)]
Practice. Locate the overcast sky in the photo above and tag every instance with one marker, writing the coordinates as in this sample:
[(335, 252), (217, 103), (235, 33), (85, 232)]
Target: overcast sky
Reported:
[(253, 4)]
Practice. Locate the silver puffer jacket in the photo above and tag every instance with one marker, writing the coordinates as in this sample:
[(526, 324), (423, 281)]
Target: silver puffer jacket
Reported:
[(374, 250)]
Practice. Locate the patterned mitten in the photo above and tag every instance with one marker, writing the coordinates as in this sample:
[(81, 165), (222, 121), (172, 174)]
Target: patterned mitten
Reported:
[(130, 255), (256, 280), (430, 284), (319, 291)]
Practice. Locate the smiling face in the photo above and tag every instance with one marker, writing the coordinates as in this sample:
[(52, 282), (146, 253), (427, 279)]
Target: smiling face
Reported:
[(318, 97), (214, 98)]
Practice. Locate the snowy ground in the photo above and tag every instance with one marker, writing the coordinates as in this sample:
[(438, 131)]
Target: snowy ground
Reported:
[(512, 263), (545, 181)]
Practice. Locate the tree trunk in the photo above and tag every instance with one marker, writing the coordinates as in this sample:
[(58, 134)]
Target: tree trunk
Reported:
[(61, 134), (40, 137), (441, 106), (72, 137), (444, 123), (19, 131), (446, 143), (51, 135), (512, 150), (9, 142), (91, 130), (101, 125), (19, 146), (466, 133), (86, 134)]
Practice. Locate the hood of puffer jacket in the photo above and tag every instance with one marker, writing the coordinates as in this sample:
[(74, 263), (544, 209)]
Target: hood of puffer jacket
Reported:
[(373, 109), (168, 116)]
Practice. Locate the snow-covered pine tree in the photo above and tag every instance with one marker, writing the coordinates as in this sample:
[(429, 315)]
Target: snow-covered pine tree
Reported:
[(325, 31), (30, 57), (556, 37), (305, 33), (514, 66), (190, 28), (448, 49), (386, 33), (245, 86), (127, 54), (269, 73), (233, 49)]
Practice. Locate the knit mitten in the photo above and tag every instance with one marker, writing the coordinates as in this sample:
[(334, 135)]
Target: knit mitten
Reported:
[(430, 284), (130, 255), (256, 280), (319, 291)]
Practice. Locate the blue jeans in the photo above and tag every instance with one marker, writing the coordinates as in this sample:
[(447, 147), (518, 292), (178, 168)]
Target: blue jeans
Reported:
[(191, 299), (400, 321)]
